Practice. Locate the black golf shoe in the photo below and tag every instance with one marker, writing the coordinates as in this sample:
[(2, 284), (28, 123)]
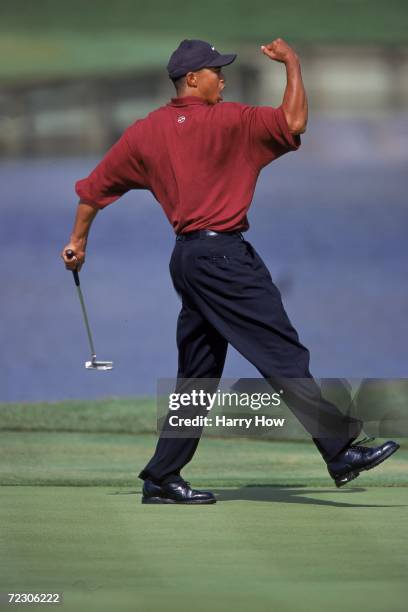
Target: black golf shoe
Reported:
[(348, 464), (174, 493)]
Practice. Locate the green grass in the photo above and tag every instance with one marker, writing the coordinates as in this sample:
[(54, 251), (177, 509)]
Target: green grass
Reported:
[(284, 549), (114, 415), (56, 38), (281, 537), (139, 415), (102, 459)]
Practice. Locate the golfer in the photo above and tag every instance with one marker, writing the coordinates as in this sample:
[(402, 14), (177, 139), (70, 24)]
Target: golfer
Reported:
[(200, 157)]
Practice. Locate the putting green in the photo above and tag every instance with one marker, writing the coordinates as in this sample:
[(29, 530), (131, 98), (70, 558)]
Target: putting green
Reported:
[(262, 548), (281, 537), (104, 459)]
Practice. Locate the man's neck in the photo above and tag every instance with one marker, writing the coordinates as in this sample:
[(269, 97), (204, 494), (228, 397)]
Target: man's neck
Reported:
[(189, 92)]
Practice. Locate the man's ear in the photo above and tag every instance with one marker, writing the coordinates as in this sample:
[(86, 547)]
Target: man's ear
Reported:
[(191, 79)]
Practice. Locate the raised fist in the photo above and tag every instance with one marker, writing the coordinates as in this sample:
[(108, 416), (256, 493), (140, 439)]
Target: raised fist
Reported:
[(279, 51)]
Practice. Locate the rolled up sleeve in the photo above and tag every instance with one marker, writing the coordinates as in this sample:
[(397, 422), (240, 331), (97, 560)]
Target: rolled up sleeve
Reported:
[(267, 134), (118, 172)]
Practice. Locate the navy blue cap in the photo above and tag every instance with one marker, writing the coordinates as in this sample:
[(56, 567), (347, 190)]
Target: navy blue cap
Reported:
[(193, 55)]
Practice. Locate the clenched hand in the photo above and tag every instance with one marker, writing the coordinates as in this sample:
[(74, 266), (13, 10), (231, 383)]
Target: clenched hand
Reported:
[(279, 51), (77, 261)]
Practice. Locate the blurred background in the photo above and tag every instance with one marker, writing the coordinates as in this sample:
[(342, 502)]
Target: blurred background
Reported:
[(330, 220)]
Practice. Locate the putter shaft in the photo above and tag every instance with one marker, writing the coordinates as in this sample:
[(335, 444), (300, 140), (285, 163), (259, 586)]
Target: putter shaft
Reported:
[(88, 329), (93, 364)]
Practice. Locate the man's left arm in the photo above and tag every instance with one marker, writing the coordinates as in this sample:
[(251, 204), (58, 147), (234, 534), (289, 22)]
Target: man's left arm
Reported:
[(294, 104)]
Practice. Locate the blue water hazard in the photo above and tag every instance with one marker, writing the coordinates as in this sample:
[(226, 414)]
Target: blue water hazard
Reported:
[(333, 234)]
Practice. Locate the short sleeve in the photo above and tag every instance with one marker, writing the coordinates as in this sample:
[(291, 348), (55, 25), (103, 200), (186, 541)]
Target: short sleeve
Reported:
[(267, 134), (118, 172)]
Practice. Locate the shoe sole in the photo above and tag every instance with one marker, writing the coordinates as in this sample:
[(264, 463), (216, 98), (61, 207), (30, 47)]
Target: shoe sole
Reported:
[(340, 482), (165, 500)]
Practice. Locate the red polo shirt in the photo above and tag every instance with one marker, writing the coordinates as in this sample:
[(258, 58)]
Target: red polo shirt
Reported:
[(200, 161)]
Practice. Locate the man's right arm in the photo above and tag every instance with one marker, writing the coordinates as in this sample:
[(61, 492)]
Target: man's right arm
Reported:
[(118, 172), (85, 214)]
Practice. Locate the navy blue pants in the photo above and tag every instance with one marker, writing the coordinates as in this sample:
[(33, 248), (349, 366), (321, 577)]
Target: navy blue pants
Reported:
[(228, 296)]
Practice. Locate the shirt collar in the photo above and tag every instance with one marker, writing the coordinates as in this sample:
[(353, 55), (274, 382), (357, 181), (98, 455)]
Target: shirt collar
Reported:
[(186, 101)]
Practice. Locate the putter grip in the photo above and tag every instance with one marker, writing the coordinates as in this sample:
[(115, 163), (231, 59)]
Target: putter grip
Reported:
[(69, 253)]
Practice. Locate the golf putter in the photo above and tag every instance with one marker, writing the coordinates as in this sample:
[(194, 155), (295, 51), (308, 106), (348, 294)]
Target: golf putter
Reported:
[(93, 364)]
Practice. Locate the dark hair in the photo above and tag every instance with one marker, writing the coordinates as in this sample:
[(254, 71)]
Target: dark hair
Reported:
[(179, 82)]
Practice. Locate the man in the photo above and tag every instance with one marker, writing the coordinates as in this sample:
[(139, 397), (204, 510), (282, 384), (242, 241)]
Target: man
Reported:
[(201, 157)]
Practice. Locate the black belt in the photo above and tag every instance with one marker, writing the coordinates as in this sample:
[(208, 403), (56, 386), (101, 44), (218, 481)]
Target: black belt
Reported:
[(206, 234)]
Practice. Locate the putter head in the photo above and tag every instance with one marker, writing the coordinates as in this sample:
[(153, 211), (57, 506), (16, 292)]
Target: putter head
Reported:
[(98, 365)]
